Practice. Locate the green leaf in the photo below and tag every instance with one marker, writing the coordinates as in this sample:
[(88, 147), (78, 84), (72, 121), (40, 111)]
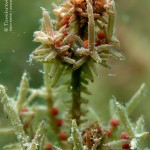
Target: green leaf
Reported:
[(93, 66), (111, 21), (88, 72), (15, 119), (140, 125), (117, 54), (79, 63), (22, 91), (135, 99), (96, 57), (36, 140), (76, 137), (47, 22), (91, 27), (51, 56), (57, 75), (68, 60), (14, 146), (112, 107), (42, 51), (125, 119)]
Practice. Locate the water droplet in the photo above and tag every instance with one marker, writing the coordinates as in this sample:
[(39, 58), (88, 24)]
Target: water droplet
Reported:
[(111, 75), (17, 88), (41, 71), (70, 87), (13, 50), (122, 58), (30, 59)]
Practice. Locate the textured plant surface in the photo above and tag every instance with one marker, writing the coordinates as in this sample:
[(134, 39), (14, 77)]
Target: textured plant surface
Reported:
[(72, 47)]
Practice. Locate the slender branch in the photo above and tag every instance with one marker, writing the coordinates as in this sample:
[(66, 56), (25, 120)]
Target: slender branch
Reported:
[(76, 137), (6, 131), (111, 25), (35, 142), (15, 120), (22, 92), (135, 99), (47, 84), (111, 22), (42, 143), (76, 95), (91, 27), (125, 119)]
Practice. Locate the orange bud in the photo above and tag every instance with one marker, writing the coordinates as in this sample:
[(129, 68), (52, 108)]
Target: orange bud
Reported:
[(63, 136), (48, 146), (66, 23), (86, 42), (58, 43), (124, 135), (114, 122), (109, 133), (66, 32), (125, 146), (98, 43), (101, 35), (54, 111), (59, 122), (67, 18), (25, 109)]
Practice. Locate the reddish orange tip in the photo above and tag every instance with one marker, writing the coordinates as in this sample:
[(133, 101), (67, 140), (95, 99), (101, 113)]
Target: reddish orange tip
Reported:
[(67, 18), (63, 136), (59, 122), (54, 111), (124, 135), (125, 146), (25, 109), (48, 146), (98, 43), (109, 133), (58, 43), (114, 122), (86, 42), (66, 32), (101, 35), (66, 23)]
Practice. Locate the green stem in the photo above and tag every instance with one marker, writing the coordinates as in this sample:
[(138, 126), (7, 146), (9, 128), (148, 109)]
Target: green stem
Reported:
[(47, 84), (15, 120), (111, 23), (76, 136), (76, 95)]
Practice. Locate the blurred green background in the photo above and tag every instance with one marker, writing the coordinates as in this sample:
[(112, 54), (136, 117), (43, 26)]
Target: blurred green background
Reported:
[(125, 77)]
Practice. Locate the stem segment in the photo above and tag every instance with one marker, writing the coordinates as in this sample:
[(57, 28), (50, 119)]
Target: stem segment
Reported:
[(76, 95), (47, 84)]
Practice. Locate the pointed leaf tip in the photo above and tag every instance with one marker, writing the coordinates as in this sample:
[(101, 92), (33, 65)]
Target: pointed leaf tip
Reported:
[(47, 22)]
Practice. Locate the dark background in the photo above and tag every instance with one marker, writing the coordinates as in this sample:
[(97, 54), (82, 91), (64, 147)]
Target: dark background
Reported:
[(125, 77)]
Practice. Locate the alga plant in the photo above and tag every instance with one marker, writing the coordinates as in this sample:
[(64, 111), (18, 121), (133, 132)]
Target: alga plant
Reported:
[(80, 39)]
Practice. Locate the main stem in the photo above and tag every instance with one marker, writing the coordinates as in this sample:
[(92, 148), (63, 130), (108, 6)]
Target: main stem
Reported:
[(47, 84), (76, 95)]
